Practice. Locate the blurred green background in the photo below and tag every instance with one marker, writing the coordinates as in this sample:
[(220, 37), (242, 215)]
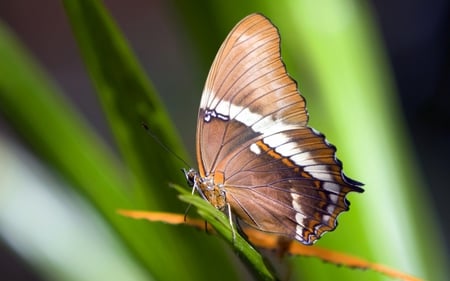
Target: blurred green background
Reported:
[(376, 78)]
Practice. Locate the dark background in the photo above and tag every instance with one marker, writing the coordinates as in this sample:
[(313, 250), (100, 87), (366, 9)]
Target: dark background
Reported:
[(416, 35)]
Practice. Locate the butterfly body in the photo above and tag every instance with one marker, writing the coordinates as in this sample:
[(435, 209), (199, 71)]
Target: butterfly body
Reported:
[(211, 192), (255, 150)]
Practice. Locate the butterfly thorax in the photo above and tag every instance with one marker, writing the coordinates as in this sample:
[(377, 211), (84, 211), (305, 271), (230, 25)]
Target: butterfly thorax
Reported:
[(205, 186)]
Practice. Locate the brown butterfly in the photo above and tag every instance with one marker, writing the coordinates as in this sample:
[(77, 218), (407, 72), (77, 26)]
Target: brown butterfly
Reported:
[(256, 155)]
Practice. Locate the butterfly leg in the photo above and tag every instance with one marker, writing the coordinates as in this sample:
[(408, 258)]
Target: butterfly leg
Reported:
[(230, 218)]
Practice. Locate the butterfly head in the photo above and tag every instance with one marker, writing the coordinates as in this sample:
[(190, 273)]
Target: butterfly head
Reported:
[(191, 176)]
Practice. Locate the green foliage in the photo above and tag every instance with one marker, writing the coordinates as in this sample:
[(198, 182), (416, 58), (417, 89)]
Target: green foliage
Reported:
[(222, 225), (333, 51)]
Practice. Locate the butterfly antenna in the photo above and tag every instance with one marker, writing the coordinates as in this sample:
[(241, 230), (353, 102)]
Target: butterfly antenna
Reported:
[(150, 133)]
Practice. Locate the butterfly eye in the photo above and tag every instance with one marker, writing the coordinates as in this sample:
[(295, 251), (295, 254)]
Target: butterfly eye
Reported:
[(190, 176)]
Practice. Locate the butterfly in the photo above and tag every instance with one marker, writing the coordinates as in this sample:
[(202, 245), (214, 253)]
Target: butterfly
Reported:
[(256, 154)]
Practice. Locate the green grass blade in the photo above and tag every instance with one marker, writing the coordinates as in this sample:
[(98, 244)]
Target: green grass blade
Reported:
[(361, 115), (36, 109), (221, 224), (128, 98)]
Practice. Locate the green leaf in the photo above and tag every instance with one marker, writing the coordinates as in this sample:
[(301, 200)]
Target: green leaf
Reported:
[(128, 98), (35, 107), (221, 224)]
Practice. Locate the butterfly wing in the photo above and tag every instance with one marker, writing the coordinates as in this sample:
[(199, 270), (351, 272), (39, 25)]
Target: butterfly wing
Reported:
[(279, 175)]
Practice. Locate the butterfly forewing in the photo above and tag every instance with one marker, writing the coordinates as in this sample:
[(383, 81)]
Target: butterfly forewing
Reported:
[(278, 175), (247, 82)]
